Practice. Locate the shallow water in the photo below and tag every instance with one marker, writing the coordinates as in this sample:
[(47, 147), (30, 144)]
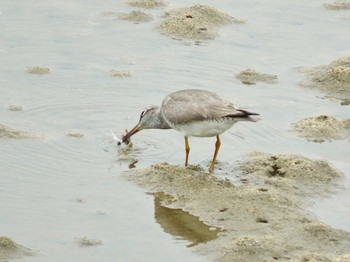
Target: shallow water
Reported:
[(56, 190)]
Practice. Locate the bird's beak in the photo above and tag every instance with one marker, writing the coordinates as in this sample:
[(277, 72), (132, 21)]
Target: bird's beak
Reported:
[(133, 131)]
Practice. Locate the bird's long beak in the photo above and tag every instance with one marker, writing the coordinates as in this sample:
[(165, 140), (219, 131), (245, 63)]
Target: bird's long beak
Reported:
[(133, 131)]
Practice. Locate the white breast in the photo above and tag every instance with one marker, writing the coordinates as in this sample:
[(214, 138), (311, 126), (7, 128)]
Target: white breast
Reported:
[(205, 128)]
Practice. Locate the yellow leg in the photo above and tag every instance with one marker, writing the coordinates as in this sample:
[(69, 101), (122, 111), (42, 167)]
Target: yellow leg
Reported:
[(187, 149), (217, 147)]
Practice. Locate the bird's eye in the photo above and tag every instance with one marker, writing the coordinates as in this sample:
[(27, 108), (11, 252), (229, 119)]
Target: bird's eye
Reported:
[(142, 114)]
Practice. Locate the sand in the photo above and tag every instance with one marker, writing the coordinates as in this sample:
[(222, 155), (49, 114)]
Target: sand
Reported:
[(262, 219), (119, 73), (146, 3), (88, 242), (251, 77), (39, 70), (322, 128), (136, 16), (11, 250), (8, 132), (338, 5), (332, 79), (198, 22)]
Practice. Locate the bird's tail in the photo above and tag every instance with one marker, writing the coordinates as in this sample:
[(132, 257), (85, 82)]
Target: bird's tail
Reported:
[(244, 115)]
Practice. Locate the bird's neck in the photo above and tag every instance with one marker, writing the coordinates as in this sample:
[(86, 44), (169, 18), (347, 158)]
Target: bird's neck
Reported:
[(162, 123)]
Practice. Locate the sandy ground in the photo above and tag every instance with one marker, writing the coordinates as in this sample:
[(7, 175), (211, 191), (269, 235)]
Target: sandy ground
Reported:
[(146, 3), (11, 250), (136, 16), (251, 77), (198, 22), (40, 70), (338, 5), (333, 79), (263, 218), (322, 128), (8, 132)]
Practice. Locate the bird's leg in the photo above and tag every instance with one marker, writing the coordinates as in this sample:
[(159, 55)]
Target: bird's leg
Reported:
[(187, 149), (217, 147)]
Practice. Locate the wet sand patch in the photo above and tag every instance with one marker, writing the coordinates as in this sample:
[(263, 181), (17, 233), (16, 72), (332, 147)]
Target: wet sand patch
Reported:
[(251, 77), (39, 70), (198, 22), (11, 250), (146, 3), (262, 220), (322, 128), (293, 174), (136, 16), (8, 132), (75, 134), (119, 73), (88, 242), (15, 107), (338, 5), (333, 79)]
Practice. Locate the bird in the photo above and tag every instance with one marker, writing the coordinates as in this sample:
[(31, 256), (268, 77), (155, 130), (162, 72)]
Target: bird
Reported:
[(193, 112)]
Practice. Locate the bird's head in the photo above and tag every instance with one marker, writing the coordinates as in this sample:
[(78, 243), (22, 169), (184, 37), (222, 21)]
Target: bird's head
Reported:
[(148, 120)]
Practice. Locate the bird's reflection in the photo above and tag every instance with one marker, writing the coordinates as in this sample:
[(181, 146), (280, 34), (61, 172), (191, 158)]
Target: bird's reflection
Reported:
[(182, 224)]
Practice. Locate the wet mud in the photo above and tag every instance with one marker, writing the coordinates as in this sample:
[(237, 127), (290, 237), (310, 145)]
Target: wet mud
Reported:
[(146, 3), (322, 128), (88, 242), (10, 133), (333, 79), (136, 16), (75, 134), (198, 22), (15, 107), (11, 250), (119, 73), (338, 5), (39, 70), (261, 220), (251, 77)]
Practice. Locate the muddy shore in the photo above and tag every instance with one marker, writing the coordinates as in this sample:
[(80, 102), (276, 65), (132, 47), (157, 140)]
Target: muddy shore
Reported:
[(12, 250), (261, 219), (332, 79)]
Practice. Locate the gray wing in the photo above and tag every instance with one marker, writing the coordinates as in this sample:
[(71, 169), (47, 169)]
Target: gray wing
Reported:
[(195, 105)]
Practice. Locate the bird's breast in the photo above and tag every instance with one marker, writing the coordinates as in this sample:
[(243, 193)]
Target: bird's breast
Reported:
[(206, 128)]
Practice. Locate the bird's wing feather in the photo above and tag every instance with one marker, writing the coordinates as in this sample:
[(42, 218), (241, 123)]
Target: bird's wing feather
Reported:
[(195, 105)]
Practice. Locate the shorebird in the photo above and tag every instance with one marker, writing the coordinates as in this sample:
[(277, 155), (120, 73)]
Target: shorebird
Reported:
[(193, 112)]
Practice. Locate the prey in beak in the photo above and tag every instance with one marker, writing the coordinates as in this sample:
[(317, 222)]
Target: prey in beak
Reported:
[(150, 118), (126, 138)]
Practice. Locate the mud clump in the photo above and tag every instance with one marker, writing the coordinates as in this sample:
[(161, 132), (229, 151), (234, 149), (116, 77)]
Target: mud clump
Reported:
[(293, 174), (333, 79), (262, 221), (15, 108), (146, 3), (119, 73), (88, 242), (198, 22), (136, 16), (338, 5), (251, 77), (39, 70), (322, 128), (75, 134), (8, 132), (11, 250)]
